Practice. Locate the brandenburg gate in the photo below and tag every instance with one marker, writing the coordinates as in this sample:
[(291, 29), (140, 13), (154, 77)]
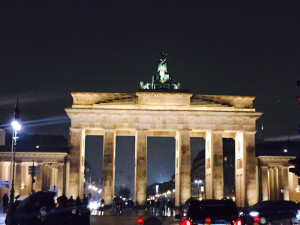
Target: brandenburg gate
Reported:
[(162, 109)]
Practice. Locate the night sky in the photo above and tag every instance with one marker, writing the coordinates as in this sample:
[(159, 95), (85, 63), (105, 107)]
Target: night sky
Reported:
[(49, 49)]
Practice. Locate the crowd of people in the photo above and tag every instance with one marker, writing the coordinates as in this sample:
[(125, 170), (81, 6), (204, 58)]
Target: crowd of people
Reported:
[(41, 209), (162, 207)]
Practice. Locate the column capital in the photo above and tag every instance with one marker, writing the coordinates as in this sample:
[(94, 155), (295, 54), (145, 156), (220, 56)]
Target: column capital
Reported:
[(141, 130), (75, 129), (109, 130), (245, 132)]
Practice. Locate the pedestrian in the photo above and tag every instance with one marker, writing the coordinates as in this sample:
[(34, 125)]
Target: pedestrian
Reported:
[(85, 201), (71, 202), (61, 215), (78, 204), (5, 203)]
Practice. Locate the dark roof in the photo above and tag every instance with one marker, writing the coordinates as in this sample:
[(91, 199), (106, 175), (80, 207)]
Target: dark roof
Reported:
[(276, 148), (40, 143)]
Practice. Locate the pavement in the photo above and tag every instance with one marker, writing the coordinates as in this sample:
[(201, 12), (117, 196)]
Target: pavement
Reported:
[(2, 218)]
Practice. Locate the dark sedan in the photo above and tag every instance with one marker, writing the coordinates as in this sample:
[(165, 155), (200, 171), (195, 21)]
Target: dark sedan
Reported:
[(197, 212), (271, 212)]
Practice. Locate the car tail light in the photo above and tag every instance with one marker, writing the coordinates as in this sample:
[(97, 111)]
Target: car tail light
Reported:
[(207, 220), (186, 222), (256, 219), (238, 222), (140, 220)]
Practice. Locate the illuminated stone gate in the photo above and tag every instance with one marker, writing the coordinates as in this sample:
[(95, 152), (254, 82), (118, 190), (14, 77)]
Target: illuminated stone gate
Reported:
[(166, 113)]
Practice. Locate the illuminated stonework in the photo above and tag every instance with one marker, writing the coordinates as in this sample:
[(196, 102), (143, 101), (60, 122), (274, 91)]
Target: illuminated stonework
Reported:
[(52, 169), (166, 114)]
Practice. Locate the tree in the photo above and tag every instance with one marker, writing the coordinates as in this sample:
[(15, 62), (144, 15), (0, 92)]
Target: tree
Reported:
[(124, 192)]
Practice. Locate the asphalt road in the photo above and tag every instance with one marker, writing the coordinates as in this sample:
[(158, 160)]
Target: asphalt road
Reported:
[(128, 220)]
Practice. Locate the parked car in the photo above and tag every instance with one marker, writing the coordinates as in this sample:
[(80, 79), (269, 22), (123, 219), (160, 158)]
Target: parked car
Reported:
[(271, 212), (197, 212)]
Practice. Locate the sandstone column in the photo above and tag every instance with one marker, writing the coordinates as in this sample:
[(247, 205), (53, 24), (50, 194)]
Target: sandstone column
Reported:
[(264, 183), (285, 183), (214, 178), (109, 150), (60, 179), (67, 179), (246, 163), (272, 183), (280, 184), (44, 177), (277, 190), (39, 177), (182, 167), (140, 183), (77, 151), (18, 179)]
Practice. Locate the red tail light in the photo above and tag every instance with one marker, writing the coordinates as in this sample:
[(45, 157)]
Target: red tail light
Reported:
[(186, 222), (207, 220), (256, 219), (117, 206), (238, 222), (140, 220)]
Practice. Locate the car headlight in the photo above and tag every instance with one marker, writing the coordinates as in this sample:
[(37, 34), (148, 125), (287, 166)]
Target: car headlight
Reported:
[(263, 220), (254, 213)]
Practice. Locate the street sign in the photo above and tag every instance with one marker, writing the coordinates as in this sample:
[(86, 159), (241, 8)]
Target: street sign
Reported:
[(54, 188), (36, 170), (4, 183)]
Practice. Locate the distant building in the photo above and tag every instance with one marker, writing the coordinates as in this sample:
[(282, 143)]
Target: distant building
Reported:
[(275, 180), (48, 153)]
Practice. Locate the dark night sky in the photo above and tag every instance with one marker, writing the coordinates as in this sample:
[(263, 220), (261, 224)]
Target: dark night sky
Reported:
[(49, 49)]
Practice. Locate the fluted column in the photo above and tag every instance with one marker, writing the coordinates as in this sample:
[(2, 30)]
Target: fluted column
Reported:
[(39, 178), (272, 183), (140, 189), (285, 183), (77, 151), (44, 177), (246, 184), (18, 179), (214, 178), (264, 183), (280, 184), (277, 190), (60, 179), (67, 179), (182, 167), (109, 150)]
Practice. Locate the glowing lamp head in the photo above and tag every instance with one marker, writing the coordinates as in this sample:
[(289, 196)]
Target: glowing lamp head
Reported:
[(16, 125)]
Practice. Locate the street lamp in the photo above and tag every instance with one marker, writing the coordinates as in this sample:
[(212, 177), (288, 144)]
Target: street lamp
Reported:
[(198, 182), (16, 127)]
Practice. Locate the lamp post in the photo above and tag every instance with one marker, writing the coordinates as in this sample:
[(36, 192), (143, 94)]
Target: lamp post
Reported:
[(198, 182), (16, 127)]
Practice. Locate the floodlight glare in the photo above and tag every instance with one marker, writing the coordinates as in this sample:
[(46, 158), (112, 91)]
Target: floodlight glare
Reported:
[(16, 125)]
